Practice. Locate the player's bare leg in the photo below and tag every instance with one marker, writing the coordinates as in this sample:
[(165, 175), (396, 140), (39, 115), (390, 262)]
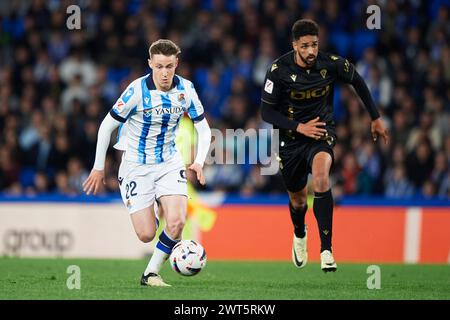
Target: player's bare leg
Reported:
[(145, 224), (174, 209), (323, 207), (298, 208)]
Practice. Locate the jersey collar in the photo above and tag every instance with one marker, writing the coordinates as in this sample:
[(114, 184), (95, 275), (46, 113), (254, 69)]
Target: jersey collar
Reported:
[(151, 85)]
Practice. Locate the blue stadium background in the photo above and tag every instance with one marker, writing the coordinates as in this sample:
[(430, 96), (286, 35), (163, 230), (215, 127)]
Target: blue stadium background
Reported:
[(56, 85)]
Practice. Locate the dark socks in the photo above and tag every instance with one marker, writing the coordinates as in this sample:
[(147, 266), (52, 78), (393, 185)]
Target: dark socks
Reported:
[(323, 210), (298, 219)]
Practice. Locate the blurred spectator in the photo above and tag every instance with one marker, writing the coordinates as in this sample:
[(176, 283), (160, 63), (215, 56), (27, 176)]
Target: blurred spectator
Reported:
[(421, 157), (349, 173), (397, 184), (77, 66), (76, 174), (41, 183), (426, 130), (428, 189), (380, 86), (440, 169)]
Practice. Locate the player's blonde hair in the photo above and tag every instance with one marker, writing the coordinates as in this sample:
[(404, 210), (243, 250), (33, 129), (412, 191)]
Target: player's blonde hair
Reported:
[(165, 47)]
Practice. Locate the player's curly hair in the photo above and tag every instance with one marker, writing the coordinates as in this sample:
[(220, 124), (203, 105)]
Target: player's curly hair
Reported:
[(165, 47), (304, 27)]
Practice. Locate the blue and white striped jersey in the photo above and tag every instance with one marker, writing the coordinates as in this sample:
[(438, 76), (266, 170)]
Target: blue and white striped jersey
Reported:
[(150, 118)]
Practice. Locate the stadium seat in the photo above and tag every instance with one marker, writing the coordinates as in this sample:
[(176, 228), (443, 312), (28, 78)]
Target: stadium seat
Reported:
[(361, 41), (342, 42), (27, 177)]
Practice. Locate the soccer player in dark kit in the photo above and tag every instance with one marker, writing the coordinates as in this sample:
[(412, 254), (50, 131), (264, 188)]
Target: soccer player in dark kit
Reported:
[(297, 99)]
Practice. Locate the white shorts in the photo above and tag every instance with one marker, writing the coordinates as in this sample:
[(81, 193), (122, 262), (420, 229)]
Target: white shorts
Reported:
[(141, 184)]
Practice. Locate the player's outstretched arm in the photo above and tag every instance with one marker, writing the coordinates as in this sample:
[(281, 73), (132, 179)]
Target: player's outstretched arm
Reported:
[(93, 182), (204, 141), (378, 129), (377, 125), (97, 176)]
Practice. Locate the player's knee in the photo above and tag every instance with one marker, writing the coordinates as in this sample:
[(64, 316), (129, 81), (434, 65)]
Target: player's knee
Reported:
[(146, 236), (298, 202), (321, 182)]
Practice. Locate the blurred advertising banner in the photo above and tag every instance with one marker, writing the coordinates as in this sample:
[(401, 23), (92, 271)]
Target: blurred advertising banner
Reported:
[(360, 234), (68, 230), (397, 234)]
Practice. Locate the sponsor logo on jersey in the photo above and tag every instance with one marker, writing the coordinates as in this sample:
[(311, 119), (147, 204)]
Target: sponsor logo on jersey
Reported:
[(171, 110), (309, 94), (160, 111)]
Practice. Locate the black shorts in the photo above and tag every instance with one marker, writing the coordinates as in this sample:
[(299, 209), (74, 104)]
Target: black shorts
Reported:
[(296, 159)]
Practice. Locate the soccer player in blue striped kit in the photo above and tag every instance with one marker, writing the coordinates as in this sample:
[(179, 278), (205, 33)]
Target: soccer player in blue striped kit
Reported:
[(148, 113)]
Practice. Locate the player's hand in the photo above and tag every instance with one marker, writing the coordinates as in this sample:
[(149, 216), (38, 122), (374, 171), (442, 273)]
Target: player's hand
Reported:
[(199, 171), (377, 128), (94, 181), (312, 129)]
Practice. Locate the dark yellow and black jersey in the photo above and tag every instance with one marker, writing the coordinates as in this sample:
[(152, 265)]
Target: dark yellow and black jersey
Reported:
[(304, 94), (301, 94)]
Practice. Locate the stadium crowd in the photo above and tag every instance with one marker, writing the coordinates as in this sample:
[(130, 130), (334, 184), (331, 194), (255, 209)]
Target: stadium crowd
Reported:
[(56, 85)]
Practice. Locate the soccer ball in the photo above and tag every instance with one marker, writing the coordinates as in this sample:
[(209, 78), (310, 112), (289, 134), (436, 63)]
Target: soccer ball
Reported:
[(188, 258)]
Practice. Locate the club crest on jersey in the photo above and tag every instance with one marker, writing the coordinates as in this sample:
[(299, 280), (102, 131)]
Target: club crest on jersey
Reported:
[(323, 73), (181, 97)]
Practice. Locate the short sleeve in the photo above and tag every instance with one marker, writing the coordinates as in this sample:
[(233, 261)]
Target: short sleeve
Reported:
[(344, 69), (195, 109), (125, 104), (272, 86)]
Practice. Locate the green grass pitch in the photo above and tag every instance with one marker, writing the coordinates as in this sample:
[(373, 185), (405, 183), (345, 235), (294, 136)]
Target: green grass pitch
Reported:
[(119, 279)]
